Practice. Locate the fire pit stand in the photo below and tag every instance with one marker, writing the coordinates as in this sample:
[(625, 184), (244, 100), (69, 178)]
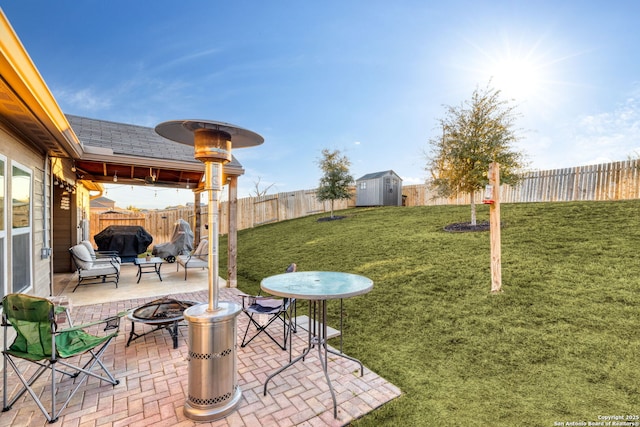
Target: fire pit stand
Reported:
[(164, 313)]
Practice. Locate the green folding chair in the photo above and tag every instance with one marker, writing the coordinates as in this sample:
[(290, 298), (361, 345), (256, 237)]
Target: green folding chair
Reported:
[(38, 340)]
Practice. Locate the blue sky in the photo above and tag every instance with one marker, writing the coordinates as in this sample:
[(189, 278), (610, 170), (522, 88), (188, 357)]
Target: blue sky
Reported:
[(369, 78)]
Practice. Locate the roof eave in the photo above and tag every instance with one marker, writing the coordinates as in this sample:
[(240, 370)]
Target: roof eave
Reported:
[(24, 79)]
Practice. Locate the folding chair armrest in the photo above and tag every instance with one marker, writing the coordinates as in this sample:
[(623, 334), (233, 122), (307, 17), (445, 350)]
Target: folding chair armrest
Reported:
[(272, 302), (112, 322)]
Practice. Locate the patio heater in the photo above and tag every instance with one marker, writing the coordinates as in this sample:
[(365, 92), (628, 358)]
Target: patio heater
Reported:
[(213, 392)]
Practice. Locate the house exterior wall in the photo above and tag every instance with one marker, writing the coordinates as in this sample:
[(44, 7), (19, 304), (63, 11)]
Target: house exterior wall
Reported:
[(20, 153), (68, 210)]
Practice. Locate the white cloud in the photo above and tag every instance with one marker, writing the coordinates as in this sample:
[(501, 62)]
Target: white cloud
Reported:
[(83, 99), (609, 136), (601, 137)]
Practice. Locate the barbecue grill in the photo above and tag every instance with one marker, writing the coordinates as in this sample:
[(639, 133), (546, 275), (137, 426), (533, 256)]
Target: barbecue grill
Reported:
[(128, 240)]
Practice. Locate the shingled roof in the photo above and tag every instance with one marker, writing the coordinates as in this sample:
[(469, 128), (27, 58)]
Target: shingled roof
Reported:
[(128, 139), (111, 147)]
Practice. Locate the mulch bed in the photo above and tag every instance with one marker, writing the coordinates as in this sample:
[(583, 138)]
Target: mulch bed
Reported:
[(329, 218)]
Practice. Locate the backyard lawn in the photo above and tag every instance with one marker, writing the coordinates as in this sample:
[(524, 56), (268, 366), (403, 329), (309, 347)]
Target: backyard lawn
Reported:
[(561, 344)]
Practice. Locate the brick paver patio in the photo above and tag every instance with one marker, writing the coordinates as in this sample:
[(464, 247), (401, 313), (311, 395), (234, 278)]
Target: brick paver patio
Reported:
[(154, 382)]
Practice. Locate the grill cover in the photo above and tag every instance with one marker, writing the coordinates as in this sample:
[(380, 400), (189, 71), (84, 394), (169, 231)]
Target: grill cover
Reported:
[(181, 241), (128, 240)]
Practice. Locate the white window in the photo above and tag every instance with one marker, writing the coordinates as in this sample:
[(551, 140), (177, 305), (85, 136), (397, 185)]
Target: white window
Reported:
[(21, 230)]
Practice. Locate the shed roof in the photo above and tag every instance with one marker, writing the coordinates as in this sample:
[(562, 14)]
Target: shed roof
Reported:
[(376, 175)]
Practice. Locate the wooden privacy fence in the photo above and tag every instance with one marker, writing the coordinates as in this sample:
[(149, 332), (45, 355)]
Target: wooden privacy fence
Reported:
[(159, 224), (251, 212), (609, 181)]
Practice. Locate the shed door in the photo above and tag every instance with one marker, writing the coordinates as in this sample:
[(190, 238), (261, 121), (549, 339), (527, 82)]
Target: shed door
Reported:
[(390, 191)]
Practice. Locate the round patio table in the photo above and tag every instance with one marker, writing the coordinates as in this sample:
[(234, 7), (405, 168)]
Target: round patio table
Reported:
[(317, 287)]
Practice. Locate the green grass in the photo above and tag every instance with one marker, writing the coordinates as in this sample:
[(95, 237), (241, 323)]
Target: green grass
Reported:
[(561, 343)]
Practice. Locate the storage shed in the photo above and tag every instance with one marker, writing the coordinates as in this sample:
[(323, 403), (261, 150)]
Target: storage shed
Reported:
[(379, 189)]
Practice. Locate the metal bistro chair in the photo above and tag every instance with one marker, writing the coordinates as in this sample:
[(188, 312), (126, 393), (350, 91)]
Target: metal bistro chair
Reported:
[(198, 259), (265, 310), (39, 341)]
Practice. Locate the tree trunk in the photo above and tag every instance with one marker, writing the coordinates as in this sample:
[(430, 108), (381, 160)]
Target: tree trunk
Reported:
[(473, 208), (331, 209)]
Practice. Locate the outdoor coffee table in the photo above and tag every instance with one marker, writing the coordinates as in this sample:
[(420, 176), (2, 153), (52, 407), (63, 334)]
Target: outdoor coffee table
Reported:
[(164, 313), (152, 265), (317, 287)]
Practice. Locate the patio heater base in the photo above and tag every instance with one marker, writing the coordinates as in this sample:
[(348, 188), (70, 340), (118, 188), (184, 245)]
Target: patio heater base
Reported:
[(213, 390), (212, 414)]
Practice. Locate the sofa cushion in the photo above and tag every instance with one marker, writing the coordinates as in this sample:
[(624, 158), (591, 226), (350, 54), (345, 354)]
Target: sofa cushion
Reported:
[(202, 250), (82, 256)]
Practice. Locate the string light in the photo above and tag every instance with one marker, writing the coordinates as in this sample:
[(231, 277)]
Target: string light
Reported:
[(115, 176)]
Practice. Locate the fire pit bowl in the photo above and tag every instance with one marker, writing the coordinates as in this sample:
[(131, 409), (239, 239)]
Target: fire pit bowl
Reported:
[(164, 313)]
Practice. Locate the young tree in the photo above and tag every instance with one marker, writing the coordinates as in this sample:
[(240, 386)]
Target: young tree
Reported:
[(336, 179), (474, 134)]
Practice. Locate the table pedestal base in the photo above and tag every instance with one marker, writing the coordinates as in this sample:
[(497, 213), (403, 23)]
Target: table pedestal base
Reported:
[(317, 320)]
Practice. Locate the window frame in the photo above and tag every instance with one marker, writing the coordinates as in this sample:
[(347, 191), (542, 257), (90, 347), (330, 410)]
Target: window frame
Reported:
[(21, 232), (4, 256)]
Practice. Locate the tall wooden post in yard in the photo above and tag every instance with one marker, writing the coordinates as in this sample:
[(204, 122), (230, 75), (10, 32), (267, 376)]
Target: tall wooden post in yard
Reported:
[(494, 223)]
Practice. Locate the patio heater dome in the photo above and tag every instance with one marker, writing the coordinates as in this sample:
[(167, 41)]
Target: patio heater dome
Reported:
[(212, 140)]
